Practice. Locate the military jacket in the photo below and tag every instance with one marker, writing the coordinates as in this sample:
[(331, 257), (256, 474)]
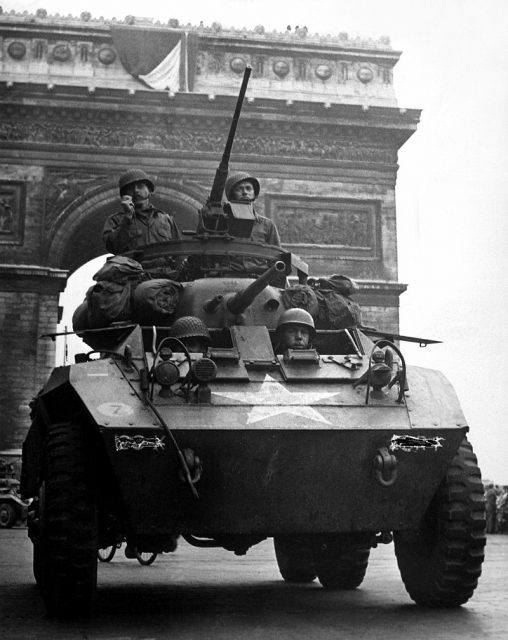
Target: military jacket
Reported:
[(263, 231), (147, 227)]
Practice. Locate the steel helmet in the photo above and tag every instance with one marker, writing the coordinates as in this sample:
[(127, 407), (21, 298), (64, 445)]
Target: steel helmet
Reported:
[(240, 176), (190, 327), (297, 316), (134, 175)]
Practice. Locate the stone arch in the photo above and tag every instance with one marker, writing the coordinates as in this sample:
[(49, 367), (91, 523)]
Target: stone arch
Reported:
[(76, 236)]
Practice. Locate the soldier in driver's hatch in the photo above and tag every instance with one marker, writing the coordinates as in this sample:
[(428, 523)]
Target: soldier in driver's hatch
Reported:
[(139, 223), (193, 332), (295, 330), (241, 186)]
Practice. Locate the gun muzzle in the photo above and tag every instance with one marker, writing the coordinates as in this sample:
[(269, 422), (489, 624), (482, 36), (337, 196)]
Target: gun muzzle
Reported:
[(244, 298)]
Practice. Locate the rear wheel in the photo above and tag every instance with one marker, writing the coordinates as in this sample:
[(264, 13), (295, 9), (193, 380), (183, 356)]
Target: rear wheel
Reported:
[(440, 563), (341, 561), (145, 557), (295, 559), (65, 553), (7, 515)]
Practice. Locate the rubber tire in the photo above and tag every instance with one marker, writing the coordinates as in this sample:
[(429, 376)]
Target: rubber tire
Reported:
[(441, 562), (294, 558), (65, 558), (145, 558), (7, 515), (341, 561), (107, 553)]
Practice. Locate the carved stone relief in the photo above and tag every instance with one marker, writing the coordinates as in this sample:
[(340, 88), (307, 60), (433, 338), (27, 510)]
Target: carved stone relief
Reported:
[(12, 211), (190, 134), (16, 50), (258, 66), (329, 223), (301, 69), (61, 53), (63, 188), (216, 63)]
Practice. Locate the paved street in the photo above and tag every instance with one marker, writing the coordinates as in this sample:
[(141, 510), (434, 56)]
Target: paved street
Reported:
[(212, 594)]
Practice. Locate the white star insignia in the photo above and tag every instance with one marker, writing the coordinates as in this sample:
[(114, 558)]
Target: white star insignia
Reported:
[(273, 399)]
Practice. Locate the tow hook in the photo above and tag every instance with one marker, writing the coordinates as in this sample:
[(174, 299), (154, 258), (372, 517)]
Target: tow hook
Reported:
[(385, 467), (194, 465)]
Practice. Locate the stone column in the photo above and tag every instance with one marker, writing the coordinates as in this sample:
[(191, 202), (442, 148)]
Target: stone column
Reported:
[(29, 297)]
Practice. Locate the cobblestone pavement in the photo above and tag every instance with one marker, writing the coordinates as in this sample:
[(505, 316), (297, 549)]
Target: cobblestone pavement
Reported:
[(211, 594)]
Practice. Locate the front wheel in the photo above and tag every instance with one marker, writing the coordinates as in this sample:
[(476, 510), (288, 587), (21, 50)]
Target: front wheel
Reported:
[(65, 551), (7, 515), (440, 562)]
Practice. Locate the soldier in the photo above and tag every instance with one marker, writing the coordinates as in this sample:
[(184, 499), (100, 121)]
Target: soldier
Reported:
[(139, 223), (295, 330), (490, 508), (193, 332), (242, 187)]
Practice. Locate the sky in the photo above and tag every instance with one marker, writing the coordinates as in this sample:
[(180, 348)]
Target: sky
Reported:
[(452, 191)]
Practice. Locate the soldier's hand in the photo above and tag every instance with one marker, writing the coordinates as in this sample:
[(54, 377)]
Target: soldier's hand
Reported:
[(128, 209)]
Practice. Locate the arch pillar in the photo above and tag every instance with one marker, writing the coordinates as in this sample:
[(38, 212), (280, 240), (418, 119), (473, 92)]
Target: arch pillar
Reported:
[(29, 308)]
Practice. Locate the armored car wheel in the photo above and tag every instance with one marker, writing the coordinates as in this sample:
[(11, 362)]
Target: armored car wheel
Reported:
[(65, 553), (295, 559), (441, 562), (341, 561), (7, 515)]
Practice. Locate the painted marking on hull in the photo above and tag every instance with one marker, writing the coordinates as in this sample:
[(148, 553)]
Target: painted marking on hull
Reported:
[(115, 409), (137, 443), (414, 443), (273, 399)]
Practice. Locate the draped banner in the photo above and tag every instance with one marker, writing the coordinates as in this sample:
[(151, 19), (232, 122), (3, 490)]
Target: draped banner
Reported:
[(163, 60)]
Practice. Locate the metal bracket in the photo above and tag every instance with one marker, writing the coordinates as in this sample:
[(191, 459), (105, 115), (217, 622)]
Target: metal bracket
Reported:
[(385, 467)]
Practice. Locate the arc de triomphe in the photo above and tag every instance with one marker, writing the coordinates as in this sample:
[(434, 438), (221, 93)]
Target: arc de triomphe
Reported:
[(320, 128)]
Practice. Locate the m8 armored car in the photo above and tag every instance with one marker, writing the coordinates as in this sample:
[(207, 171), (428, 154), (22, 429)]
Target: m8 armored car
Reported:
[(328, 450)]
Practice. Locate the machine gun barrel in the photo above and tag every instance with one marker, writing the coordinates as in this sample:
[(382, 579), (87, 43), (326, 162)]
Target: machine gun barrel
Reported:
[(221, 173), (244, 298)]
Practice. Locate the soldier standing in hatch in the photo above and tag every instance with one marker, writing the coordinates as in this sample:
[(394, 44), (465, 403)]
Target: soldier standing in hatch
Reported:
[(242, 187), (139, 223)]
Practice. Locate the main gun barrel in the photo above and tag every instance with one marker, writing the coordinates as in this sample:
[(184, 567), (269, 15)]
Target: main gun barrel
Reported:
[(244, 298)]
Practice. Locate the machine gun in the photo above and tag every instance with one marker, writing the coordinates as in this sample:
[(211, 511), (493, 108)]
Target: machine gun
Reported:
[(234, 218)]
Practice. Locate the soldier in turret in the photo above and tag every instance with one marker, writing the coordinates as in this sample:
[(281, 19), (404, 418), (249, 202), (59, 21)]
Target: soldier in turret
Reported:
[(240, 186), (139, 223)]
